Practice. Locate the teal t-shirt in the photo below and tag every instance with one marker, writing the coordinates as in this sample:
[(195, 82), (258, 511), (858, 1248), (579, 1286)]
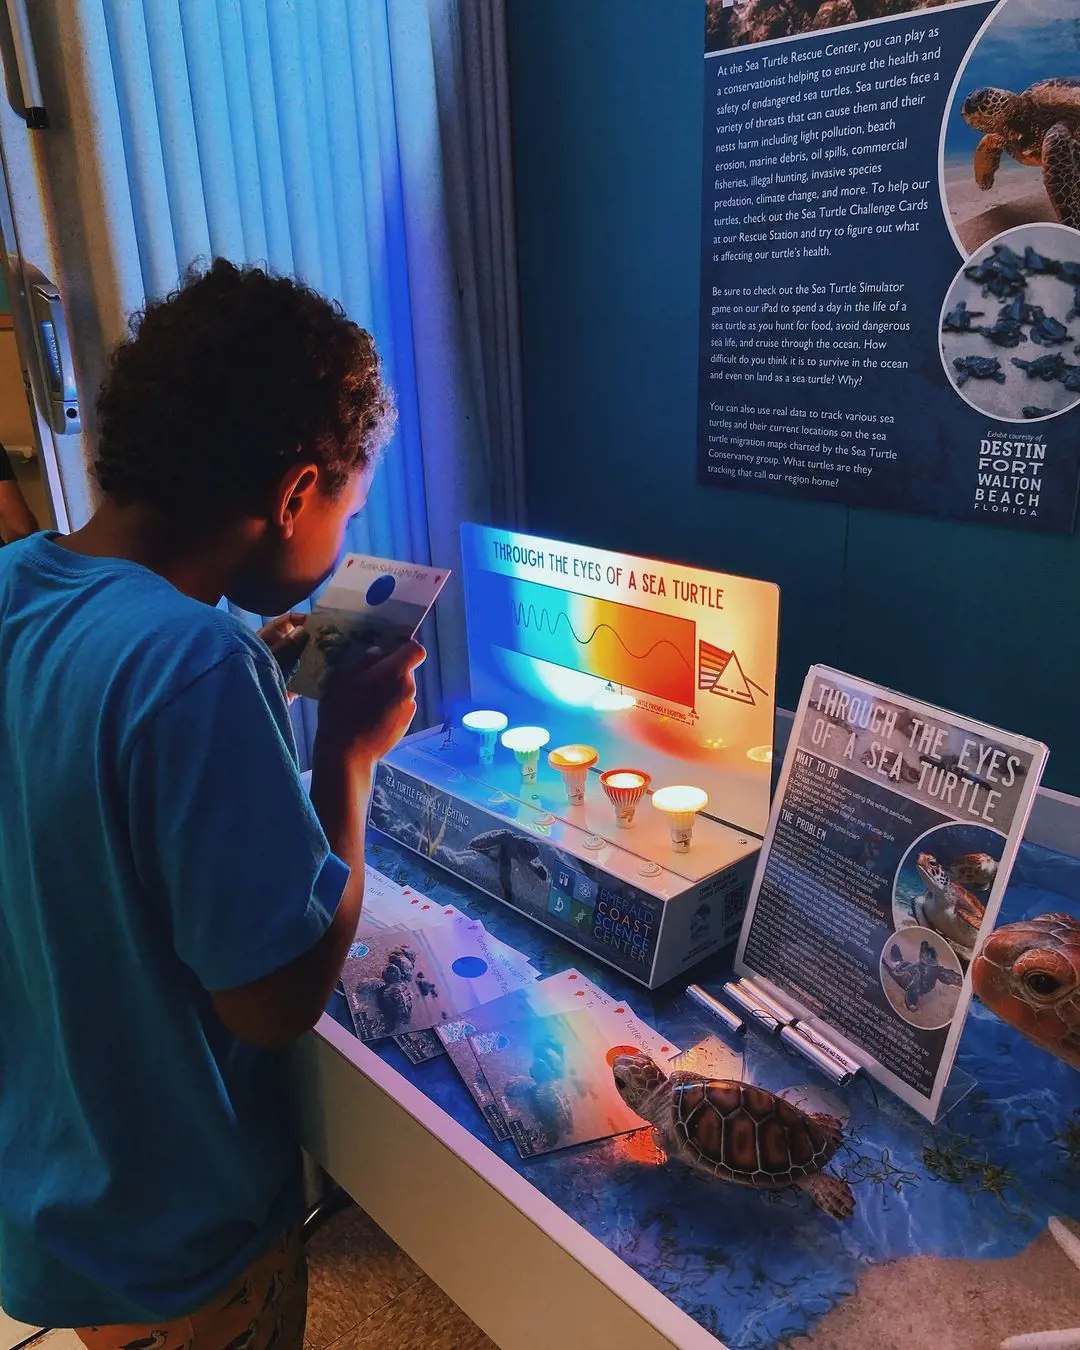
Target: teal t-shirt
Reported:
[(156, 844)]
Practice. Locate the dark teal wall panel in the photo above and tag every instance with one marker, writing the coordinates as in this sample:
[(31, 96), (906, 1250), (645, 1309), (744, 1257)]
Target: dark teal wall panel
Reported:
[(607, 106)]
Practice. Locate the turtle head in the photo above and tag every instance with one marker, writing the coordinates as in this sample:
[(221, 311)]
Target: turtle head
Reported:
[(1029, 974), (637, 1078), (931, 871), (990, 109)]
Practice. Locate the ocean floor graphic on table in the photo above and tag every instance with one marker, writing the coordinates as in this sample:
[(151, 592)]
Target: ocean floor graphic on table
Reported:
[(950, 1221)]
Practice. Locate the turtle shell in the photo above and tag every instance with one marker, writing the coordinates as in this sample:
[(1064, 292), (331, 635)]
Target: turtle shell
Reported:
[(746, 1134)]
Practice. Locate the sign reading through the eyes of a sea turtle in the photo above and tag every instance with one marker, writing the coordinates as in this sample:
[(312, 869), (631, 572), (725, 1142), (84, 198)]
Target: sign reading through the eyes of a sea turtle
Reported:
[(893, 830)]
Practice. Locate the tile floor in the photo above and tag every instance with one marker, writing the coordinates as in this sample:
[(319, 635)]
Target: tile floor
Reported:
[(364, 1294)]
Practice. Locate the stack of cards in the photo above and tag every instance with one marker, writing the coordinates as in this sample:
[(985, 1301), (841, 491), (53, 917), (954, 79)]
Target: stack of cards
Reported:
[(538, 1062), (535, 1055)]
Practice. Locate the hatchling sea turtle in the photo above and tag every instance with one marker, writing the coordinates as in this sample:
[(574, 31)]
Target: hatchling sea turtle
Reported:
[(1039, 127), (918, 978), (978, 368), (948, 907), (737, 1132), (1028, 973)]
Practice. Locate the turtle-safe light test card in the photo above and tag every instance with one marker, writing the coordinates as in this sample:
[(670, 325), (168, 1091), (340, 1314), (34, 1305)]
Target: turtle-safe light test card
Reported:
[(892, 834), (368, 602), (551, 1079)]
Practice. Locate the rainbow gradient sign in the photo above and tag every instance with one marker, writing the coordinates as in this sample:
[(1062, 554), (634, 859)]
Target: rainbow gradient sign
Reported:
[(669, 668)]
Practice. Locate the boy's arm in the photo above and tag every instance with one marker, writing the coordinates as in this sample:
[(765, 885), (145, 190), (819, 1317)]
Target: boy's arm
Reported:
[(261, 909)]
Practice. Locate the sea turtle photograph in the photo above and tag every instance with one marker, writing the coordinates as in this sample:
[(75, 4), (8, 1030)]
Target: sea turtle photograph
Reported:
[(1009, 330), (729, 25), (1011, 153), (922, 978), (944, 881)]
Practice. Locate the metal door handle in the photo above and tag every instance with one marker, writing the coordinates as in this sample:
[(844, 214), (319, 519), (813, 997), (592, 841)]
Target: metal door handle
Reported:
[(54, 351)]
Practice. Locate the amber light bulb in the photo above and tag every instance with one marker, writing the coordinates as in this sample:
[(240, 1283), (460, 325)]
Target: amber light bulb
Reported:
[(574, 763), (625, 788)]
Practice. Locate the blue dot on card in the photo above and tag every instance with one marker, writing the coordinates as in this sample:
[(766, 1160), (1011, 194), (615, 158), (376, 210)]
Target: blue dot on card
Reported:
[(381, 589), (469, 967)]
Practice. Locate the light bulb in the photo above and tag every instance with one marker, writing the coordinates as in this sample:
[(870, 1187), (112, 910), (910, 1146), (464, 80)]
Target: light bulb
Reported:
[(526, 743), (485, 723), (760, 754), (610, 699), (624, 788), (574, 763), (680, 805)]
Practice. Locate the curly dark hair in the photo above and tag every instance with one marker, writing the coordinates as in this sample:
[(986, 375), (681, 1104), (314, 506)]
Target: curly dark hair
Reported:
[(229, 381)]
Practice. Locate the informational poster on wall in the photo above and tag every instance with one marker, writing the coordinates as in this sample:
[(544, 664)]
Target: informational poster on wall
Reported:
[(893, 831), (891, 255)]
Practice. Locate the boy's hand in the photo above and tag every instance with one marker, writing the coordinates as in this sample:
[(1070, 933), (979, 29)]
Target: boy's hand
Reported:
[(367, 705), (286, 638)]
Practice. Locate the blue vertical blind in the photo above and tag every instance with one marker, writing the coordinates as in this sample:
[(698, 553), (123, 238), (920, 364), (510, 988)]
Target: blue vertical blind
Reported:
[(304, 134)]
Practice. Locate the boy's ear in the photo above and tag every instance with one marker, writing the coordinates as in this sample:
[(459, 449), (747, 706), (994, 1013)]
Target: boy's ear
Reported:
[(293, 496)]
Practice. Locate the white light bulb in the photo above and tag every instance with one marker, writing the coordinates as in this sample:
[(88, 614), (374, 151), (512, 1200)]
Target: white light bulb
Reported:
[(681, 805), (485, 723), (526, 743)]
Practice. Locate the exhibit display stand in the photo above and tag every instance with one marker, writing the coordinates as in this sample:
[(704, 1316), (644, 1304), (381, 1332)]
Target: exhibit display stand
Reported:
[(610, 777), (893, 833)]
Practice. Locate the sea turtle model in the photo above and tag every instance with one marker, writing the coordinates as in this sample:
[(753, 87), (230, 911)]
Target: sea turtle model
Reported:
[(947, 907), (976, 870), (504, 847), (978, 368), (1045, 368), (1028, 973), (1039, 127), (737, 1132), (958, 320), (918, 978)]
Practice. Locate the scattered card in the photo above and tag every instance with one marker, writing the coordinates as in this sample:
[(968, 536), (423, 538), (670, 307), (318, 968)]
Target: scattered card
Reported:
[(552, 1082)]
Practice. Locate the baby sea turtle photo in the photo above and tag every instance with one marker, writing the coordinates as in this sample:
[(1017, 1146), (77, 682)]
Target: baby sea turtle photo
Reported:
[(978, 368), (1045, 368), (958, 320), (1046, 330), (1074, 313), (1030, 410), (1069, 272), (736, 1132), (1036, 265), (1005, 331), (1071, 379), (918, 978), (1028, 973), (1001, 275), (1040, 128), (948, 907)]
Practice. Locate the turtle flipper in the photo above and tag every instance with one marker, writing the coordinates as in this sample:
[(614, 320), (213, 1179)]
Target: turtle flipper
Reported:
[(987, 159), (1061, 172), (829, 1193)]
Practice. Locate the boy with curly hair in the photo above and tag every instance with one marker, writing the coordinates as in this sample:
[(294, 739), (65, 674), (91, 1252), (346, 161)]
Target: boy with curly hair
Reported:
[(173, 907)]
